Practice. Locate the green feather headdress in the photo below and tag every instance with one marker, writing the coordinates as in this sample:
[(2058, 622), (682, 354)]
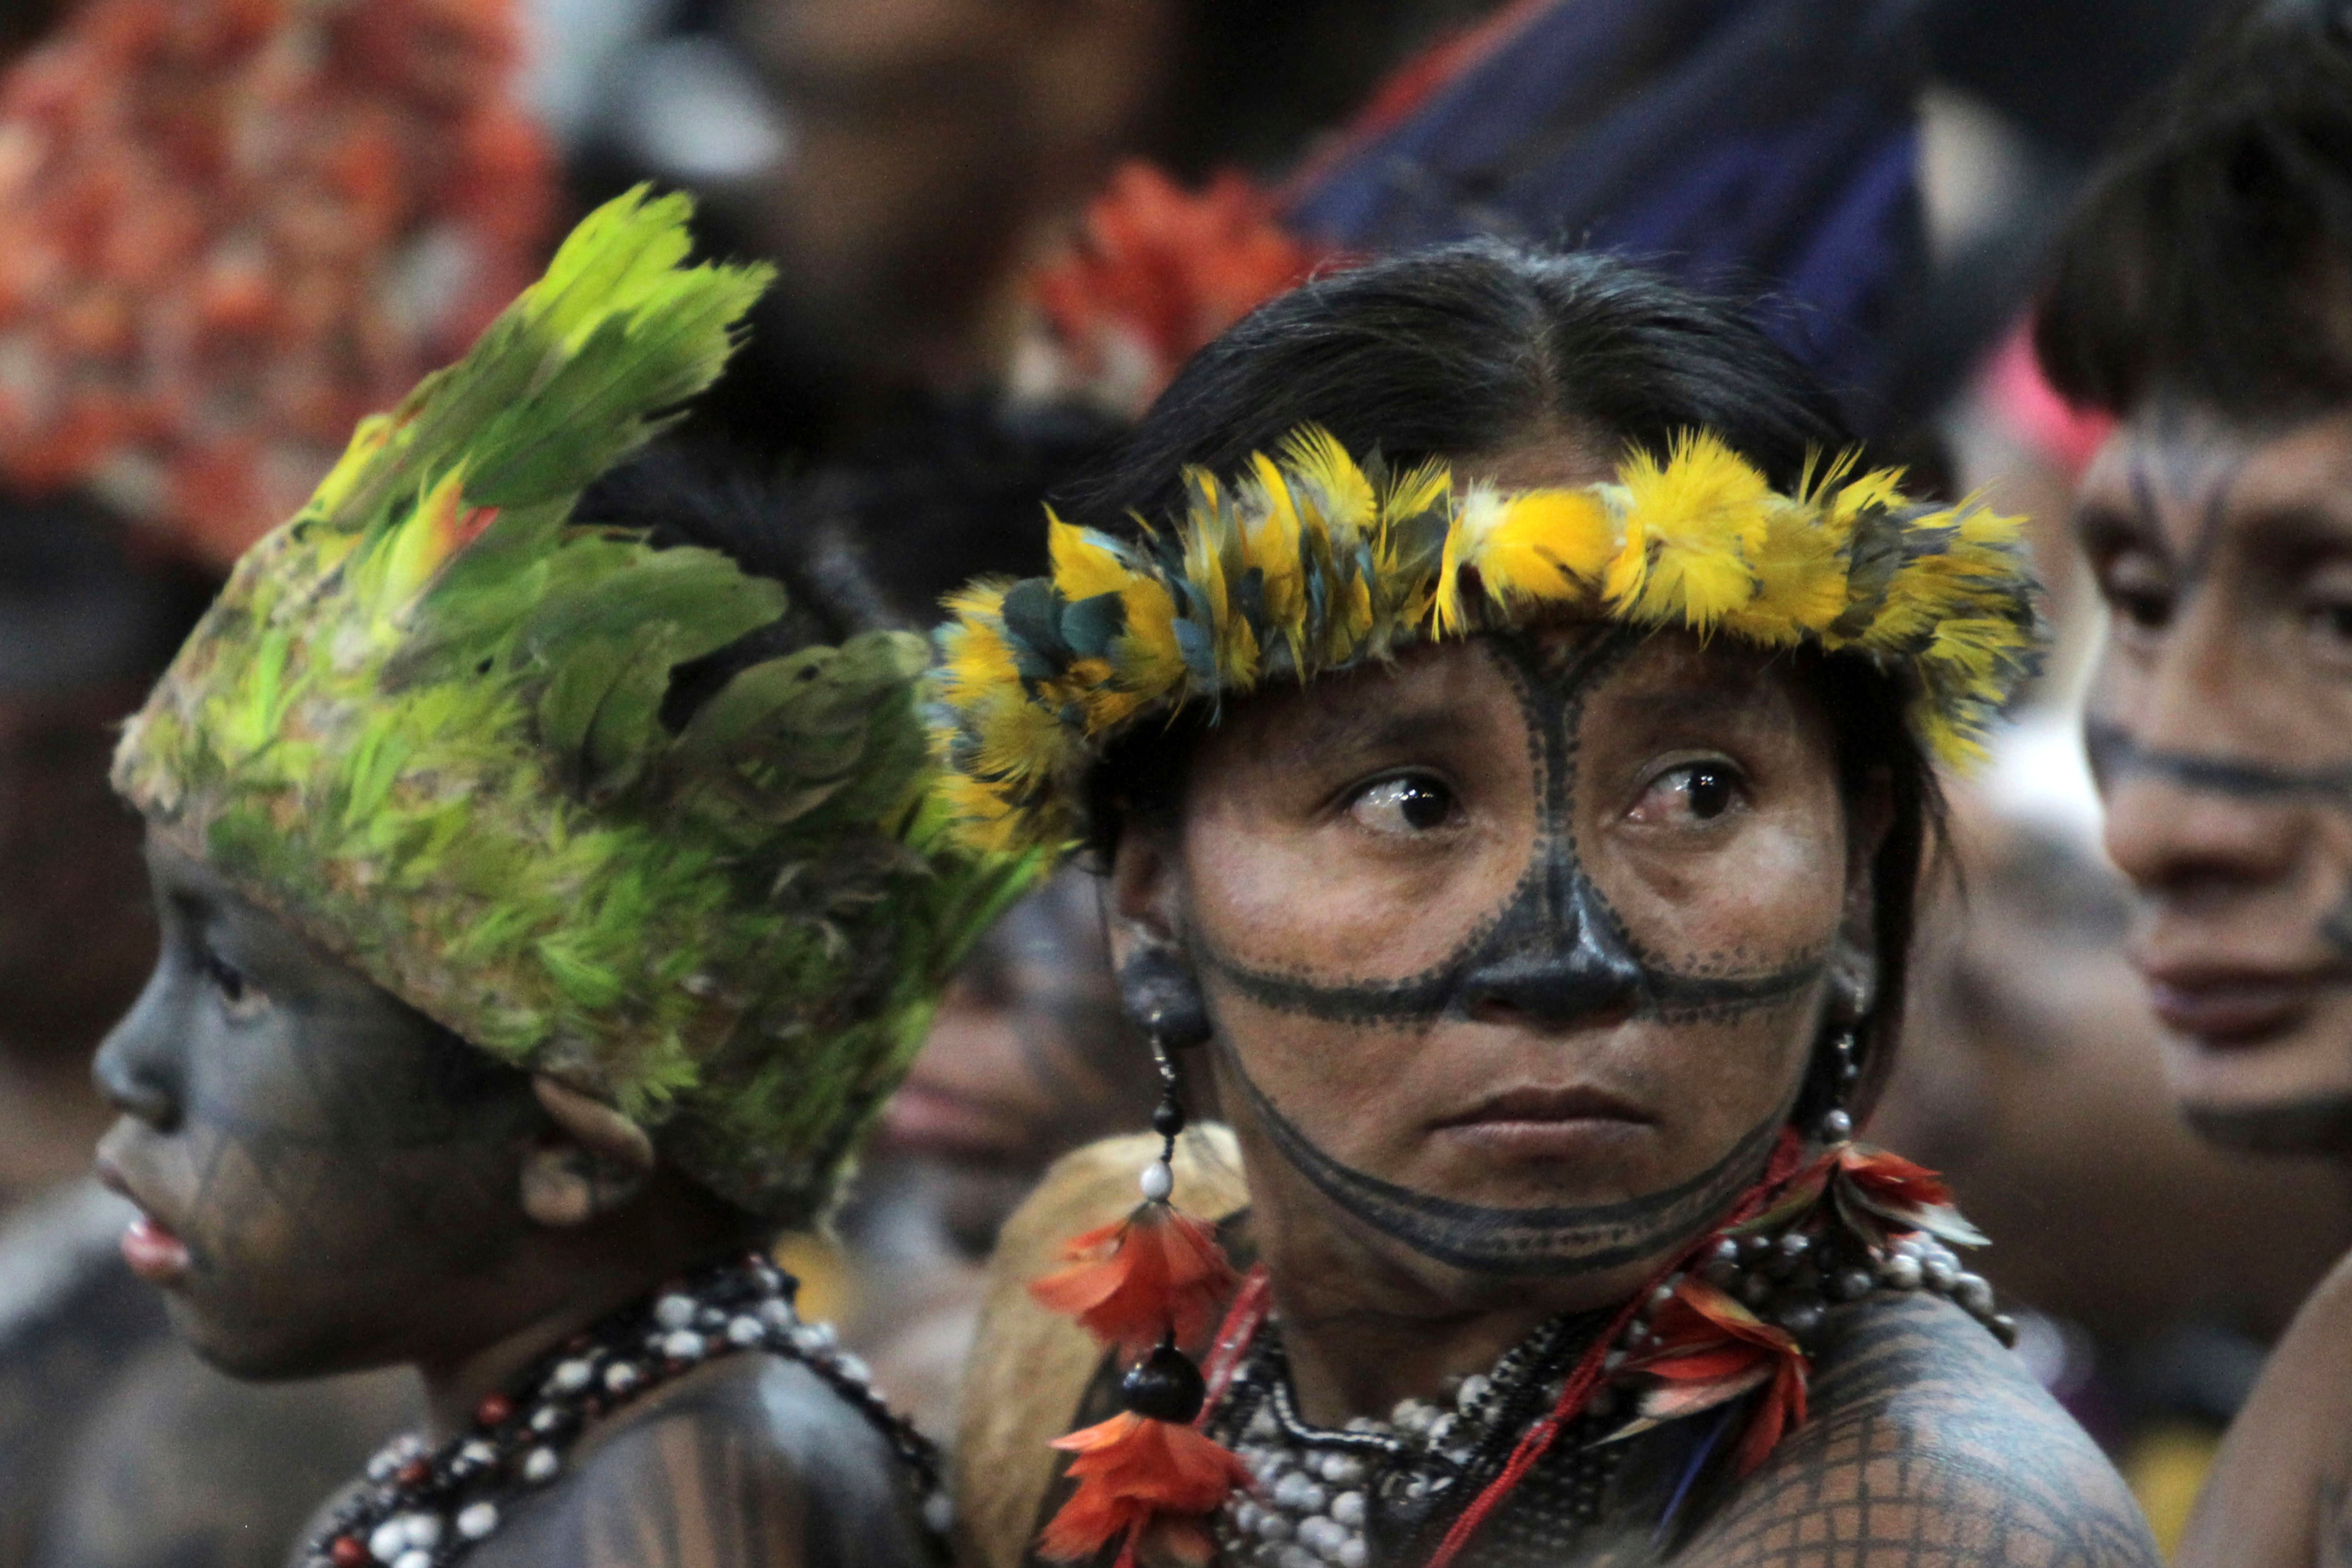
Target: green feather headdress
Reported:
[(422, 725), (1312, 564)]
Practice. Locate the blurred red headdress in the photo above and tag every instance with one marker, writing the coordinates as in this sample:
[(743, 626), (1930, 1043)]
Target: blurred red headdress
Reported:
[(234, 227)]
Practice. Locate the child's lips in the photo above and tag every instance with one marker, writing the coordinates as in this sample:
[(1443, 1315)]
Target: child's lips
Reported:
[(153, 1252)]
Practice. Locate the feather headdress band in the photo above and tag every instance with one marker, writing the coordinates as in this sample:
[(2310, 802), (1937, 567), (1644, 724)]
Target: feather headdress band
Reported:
[(1312, 564), (423, 725)]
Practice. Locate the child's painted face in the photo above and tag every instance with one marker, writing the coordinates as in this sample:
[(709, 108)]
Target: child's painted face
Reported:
[(327, 1175)]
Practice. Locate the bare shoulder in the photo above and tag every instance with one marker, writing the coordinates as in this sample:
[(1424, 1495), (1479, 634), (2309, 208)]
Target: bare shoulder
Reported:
[(2280, 1494), (750, 1460), (1927, 1442)]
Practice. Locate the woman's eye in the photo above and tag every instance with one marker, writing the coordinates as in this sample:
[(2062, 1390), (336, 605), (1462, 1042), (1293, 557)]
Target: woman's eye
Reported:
[(1695, 792), (1415, 803)]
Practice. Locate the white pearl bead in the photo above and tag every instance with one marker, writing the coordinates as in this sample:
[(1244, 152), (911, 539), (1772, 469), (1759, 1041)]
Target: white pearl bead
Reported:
[(683, 1345), (419, 1558), (540, 1467), (425, 1530), (746, 1332), (478, 1453), (852, 1367), (1474, 1389), (1158, 1181), (675, 1312), (814, 1339), (779, 1315), (475, 1521), (572, 1376), (938, 1512), (1347, 1508), (621, 1376), (1354, 1554), (388, 1540)]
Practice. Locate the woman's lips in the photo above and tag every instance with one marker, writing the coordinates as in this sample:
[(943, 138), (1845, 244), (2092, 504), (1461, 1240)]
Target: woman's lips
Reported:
[(1540, 1123), (155, 1254)]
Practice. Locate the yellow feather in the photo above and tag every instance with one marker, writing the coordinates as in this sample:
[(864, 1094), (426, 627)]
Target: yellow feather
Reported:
[(1146, 654), (1323, 465), (1548, 545), (1474, 517), (1699, 519), (1085, 563), (1274, 549)]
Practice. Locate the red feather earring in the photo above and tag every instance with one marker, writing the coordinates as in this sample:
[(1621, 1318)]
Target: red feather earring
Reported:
[(1151, 1286)]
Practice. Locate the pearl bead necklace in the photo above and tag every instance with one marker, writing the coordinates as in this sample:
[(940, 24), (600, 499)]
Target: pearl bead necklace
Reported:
[(1320, 1495), (420, 1509)]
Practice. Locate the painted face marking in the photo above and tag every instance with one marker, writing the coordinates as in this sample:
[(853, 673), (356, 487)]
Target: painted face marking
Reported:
[(1555, 1241), (1556, 949), (2115, 755)]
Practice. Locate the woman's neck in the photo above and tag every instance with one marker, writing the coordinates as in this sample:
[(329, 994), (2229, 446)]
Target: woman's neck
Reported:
[(1364, 1328)]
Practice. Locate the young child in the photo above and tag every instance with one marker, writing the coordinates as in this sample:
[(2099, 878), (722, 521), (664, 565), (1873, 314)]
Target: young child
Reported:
[(546, 914)]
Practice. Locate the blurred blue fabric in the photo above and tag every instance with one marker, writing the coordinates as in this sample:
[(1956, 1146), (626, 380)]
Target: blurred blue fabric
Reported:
[(1761, 148)]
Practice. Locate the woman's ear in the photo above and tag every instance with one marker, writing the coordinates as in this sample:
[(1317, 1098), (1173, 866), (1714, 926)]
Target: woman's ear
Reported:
[(589, 1162), (1156, 987), (1142, 896)]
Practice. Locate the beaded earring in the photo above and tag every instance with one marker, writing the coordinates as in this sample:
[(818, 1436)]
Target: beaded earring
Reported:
[(1836, 1125), (1149, 1286)]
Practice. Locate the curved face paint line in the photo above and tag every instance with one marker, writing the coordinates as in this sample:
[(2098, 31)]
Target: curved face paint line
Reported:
[(2115, 755), (1446, 990), (1555, 1241)]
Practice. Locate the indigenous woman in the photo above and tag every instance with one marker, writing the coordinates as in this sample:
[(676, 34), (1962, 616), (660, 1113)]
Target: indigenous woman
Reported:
[(547, 907), (1505, 717)]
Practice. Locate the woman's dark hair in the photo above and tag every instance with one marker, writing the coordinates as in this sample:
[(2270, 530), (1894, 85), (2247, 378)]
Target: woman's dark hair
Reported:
[(2211, 259), (1470, 350)]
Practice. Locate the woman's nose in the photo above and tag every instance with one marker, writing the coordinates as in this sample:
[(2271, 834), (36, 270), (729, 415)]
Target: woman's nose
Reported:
[(1562, 967), (137, 1068)]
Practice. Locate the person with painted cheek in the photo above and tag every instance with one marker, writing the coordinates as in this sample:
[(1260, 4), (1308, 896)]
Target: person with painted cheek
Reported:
[(547, 907), (1505, 725), (2202, 296)]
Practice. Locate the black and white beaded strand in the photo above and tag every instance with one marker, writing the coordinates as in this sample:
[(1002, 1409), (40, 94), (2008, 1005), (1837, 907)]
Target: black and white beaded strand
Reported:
[(426, 1508)]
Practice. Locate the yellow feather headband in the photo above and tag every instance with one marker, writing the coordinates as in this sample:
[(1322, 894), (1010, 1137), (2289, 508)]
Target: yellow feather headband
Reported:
[(1312, 564)]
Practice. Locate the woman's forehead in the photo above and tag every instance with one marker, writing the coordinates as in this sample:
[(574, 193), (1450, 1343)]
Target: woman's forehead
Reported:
[(1439, 687)]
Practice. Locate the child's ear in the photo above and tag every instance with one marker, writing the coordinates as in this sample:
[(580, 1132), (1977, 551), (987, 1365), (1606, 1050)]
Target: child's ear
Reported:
[(588, 1162)]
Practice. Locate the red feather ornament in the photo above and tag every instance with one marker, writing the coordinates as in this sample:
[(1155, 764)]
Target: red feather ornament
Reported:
[(1711, 1349), (1150, 1485), (1155, 1273)]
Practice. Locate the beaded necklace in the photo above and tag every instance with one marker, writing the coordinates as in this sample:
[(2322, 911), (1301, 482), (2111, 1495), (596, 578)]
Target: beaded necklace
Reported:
[(421, 1508), (1366, 1493)]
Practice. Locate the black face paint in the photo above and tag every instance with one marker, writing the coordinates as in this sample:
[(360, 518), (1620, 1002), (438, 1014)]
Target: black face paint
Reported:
[(1556, 950), (2321, 1124), (2116, 755), (1557, 1241)]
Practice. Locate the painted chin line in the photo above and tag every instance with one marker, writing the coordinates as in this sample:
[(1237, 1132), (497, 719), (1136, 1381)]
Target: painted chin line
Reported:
[(1552, 1241), (2319, 1124)]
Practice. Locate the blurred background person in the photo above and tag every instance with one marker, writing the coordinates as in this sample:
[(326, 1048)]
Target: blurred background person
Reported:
[(232, 230), (2202, 298)]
